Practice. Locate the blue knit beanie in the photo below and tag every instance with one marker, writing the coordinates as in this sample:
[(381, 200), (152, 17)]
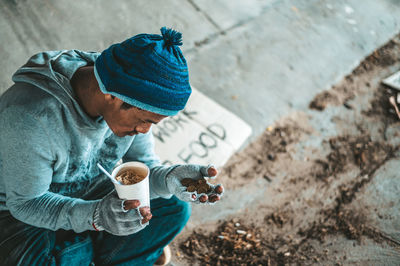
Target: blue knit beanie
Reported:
[(147, 71)]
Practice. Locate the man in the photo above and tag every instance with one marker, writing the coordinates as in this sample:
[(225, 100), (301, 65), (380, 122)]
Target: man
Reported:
[(68, 111)]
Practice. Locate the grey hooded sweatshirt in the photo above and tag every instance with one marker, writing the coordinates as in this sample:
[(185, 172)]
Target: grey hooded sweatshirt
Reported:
[(49, 146)]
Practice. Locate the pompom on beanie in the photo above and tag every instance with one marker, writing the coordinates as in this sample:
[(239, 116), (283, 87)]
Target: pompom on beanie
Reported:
[(147, 71)]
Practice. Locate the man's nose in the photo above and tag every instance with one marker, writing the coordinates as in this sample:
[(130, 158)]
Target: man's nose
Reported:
[(144, 128)]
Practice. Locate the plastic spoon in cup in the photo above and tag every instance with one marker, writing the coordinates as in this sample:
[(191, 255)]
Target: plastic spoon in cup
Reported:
[(107, 174)]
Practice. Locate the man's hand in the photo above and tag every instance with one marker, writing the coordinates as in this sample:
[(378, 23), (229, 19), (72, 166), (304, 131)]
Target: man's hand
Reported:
[(134, 204), (194, 172), (120, 217)]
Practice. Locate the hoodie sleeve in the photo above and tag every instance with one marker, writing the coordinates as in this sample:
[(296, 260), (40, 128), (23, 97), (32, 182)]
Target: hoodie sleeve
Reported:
[(142, 150), (26, 168)]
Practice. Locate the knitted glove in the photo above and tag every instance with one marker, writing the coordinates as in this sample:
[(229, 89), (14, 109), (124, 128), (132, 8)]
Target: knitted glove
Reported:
[(111, 216), (195, 172)]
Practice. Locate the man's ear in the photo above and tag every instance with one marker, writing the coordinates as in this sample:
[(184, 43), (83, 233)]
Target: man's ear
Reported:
[(111, 99)]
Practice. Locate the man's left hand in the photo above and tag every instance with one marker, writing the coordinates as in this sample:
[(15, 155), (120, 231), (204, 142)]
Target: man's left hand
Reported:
[(194, 172)]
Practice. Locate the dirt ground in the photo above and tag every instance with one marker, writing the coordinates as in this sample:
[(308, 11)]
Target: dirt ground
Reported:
[(312, 165)]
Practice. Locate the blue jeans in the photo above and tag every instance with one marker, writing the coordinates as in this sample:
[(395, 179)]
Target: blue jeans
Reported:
[(22, 244)]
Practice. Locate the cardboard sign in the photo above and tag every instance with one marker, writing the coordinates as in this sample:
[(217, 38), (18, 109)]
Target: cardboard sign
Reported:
[(204, 133)]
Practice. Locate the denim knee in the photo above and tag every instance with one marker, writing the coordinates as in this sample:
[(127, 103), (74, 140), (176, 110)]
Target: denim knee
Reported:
[(184, 210)]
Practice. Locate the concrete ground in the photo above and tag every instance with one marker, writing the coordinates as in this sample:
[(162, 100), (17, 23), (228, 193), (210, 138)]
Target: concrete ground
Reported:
[(262, 60)]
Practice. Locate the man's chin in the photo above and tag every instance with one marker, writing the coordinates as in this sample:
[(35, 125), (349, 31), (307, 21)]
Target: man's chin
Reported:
[(121, 135), (124, 134)]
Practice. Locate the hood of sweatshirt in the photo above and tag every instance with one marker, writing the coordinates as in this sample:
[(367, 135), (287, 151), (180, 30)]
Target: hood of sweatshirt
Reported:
[(51, 71)]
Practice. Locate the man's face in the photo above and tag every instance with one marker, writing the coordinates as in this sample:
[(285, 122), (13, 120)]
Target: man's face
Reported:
[(131, 121)]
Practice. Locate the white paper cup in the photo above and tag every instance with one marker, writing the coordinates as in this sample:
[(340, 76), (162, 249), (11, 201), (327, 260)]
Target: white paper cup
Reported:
[(139, 191)]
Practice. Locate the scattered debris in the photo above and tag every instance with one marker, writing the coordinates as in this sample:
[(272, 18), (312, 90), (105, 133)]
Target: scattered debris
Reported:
[(277, 218), (393, 102), (267, 178), (377, 62), (275, 142), (345, 150), (295, 9), (320, 101), (381, 106), (228, 246)]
